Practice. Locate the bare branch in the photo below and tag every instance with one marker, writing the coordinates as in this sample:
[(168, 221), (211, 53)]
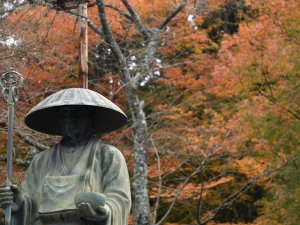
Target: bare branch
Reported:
[(30, 141), (21, 162), (171, 15), (199, 205), (159, 179), (126, 14), (178, 194), (109, 38), (136, 19), (40, 2), (94, 27), (233, 197), (26, 138)]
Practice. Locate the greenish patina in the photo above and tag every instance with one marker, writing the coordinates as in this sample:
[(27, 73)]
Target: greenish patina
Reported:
[(79, 181)]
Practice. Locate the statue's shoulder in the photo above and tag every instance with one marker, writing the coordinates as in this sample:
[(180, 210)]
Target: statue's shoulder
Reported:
[(106, 148), (44, 154)]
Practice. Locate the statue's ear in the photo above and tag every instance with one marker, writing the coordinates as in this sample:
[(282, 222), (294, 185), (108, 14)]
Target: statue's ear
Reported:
[(95, 121)]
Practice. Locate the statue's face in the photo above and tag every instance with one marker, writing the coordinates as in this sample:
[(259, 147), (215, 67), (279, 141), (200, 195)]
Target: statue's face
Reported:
[(76, 122)]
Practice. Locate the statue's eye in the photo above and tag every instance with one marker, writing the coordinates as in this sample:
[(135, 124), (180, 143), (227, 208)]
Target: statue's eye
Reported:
[(80, 113), (64, 112)]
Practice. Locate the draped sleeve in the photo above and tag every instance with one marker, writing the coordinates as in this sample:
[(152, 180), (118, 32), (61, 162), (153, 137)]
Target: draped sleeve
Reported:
[(31, 187), (109, 175), (105, 170)]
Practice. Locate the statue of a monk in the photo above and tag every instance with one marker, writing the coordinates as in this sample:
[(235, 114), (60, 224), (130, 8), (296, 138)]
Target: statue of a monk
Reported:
[(79, 181)]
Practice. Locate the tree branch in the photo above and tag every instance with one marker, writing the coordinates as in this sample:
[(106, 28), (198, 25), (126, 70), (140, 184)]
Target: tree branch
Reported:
[(40, 2), (126, 14), (233, 197), (26, 138), (21, 162), (171, 15), (31, 142), (94, 27), (109, 38), (136, 19), (159, 180), (178, 194), (294, 114)]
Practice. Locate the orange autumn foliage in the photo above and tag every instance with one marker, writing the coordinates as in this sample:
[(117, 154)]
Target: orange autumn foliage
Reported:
[(206, 107)]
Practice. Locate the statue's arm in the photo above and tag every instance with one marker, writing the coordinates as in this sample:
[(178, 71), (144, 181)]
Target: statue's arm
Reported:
[(117, 190), (30, 193), (110, 177)]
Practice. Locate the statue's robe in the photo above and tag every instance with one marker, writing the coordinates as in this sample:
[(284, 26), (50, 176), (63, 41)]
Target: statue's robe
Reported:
[(104, 170)]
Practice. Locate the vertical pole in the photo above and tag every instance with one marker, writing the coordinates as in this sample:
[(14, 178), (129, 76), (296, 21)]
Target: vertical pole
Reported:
[(11, 112), (15, 81), (83, 46), (9, 155)]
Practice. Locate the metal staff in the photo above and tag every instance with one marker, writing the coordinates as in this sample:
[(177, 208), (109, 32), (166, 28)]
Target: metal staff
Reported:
[(10, 82)]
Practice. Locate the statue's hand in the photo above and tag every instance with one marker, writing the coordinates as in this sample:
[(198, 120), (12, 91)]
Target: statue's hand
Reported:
[(89, 213), (91, 205), (11, 196)]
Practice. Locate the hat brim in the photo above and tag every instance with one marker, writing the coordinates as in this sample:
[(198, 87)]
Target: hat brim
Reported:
[(44, 117), (47, 120)]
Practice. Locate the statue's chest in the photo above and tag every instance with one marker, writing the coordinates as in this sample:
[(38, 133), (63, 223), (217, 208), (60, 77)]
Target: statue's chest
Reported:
[(70, 161)]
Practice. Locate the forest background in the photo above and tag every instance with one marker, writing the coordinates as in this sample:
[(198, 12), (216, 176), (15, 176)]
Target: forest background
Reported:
[(210, 88)]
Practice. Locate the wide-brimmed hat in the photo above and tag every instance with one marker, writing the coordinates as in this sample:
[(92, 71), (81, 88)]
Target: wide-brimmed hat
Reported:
[(44, 117)]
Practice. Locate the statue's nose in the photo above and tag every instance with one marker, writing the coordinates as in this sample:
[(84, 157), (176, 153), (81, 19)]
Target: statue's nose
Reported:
[(71, 118)]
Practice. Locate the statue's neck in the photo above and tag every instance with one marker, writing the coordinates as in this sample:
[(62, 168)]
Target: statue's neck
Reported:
[(71, 153), (72, 145)]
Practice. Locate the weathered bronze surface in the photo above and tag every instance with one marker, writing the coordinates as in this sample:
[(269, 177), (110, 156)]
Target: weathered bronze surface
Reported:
[(79, 181), (44, 116)]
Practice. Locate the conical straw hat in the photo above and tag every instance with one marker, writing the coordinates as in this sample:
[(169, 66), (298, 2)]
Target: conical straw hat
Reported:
[(44, 117)]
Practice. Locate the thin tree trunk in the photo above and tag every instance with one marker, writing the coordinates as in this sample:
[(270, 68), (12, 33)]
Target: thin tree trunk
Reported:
[(141, 206)]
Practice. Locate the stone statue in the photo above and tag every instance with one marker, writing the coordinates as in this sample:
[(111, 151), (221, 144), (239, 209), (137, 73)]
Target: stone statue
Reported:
[(79, 181)]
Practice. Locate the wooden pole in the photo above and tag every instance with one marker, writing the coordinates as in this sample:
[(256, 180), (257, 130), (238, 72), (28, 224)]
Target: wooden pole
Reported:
[(83, 46)]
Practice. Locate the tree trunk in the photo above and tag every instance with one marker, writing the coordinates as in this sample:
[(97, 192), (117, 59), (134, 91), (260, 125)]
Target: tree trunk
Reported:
[(141, 206)]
